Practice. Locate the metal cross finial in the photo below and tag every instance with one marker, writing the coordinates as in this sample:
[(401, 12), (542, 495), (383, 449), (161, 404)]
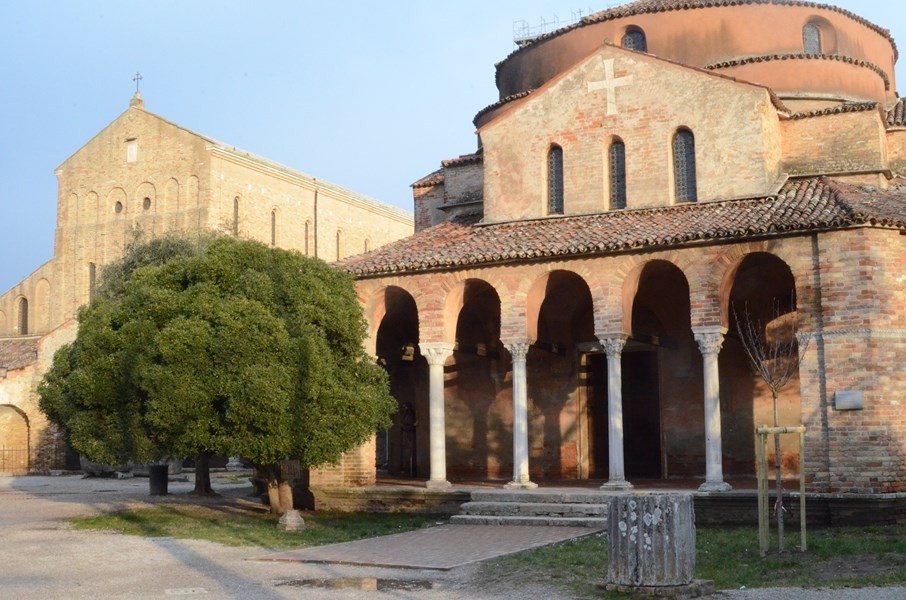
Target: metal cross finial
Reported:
[(137, 79)]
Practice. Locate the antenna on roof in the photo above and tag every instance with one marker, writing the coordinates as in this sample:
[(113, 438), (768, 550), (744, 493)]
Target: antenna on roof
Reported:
[(523, 33)]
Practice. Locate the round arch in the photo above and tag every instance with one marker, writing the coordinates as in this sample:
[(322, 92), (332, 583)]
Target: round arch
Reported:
[(461, 294), (15, 432), (573, 293)]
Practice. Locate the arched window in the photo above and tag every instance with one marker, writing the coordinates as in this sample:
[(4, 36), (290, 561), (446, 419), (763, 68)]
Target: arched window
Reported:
[(811, 38), (273, 228), (236, 216), (634, 39), (339, 244), (23, 316), (367, 244), (555, 180), (617, 175), (92, 280), (684, 166)]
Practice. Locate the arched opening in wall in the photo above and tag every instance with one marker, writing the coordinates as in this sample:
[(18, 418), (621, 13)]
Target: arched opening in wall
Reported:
[(22, 314), (403, 449), (339, 244), (617, 174), (92, 280), (367, 245), (308, 238), (555, 180), (479, 401), (14, 441), (763, 293), (274, 228), (685, 187), (236, 217), (566, 390), (634, 39), (663, 410), (819, 36)]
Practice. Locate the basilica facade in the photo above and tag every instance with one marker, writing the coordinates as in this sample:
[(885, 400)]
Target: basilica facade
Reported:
[(140, 177)]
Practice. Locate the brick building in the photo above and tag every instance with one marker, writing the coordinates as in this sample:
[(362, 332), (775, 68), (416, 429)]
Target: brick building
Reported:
[(565, 310), (145, 175)]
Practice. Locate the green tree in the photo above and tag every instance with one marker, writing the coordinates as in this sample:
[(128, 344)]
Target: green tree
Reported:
[(240, 350)]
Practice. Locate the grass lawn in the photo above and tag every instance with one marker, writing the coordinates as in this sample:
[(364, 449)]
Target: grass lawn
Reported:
[(850, 556), (243, 526)]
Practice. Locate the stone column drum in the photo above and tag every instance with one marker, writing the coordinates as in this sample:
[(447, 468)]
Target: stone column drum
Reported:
[(651, 540)]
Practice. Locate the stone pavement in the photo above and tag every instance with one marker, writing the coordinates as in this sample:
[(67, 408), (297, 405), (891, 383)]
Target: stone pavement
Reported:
[(443, 548)]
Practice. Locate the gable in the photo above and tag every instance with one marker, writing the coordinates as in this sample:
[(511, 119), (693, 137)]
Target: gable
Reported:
[(642, 101)]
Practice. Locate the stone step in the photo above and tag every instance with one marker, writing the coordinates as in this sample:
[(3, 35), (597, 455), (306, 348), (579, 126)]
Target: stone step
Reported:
[(543, 496), (589, 522), (539, 509)]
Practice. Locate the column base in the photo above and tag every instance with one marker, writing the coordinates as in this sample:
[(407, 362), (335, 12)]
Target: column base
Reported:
[(715, 486), (617, 485), (521, 485), (440, 484)]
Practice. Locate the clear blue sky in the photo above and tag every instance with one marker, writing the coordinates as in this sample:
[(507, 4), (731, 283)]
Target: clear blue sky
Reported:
[(366, 94)]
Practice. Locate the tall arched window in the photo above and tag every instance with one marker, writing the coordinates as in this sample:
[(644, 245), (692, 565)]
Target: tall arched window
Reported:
[(617, 175), (555, 180), (811, 38), (684, 166), (92, 280), (273, 228), (634, 39), (339, 244), (23, 316), (236, 216), (367, 244)]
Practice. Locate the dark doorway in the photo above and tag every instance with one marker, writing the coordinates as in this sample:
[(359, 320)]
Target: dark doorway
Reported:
[(641, 415), (596, 378)]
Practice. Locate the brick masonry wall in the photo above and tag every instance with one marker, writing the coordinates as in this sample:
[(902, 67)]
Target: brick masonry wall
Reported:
[(566, 113), (843, 143)]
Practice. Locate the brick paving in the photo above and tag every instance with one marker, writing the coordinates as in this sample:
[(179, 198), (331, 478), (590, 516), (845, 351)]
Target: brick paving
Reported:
[(441, 548)]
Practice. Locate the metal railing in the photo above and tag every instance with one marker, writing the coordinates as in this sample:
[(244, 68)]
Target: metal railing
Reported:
[(13, 461)]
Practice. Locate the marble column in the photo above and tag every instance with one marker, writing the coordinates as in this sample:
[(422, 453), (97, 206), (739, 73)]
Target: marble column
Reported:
[(521, 481), (710, 339), (613, 347), (437, 354)]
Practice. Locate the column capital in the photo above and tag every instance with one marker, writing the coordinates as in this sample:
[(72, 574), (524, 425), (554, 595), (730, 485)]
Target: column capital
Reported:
[(436, 353), (518, 349), (710, 339), (613, 342)]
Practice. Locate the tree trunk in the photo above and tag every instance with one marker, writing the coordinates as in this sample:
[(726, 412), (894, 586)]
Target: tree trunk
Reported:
[(280, 496), (203, 474), (778, 482)]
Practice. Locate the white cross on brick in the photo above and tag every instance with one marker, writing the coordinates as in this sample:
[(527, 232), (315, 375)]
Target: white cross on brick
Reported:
[(610, 84)]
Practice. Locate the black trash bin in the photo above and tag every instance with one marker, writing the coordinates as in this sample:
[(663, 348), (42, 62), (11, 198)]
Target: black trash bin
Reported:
[(158, 477)]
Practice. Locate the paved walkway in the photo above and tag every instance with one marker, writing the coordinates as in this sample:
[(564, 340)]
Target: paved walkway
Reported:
[(441, 548)]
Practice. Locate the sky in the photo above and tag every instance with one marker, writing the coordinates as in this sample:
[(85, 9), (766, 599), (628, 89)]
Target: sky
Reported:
[(368, 95)]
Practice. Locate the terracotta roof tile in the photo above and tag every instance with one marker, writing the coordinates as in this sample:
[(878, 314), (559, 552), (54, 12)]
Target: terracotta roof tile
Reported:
[(16, 353), (464, 159), (801, 205), (896, 116), (803, 56), (655, 6), (849, 107), (431, 179)]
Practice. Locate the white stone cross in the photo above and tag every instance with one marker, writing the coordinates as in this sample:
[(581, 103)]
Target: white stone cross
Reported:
[(610, 84)]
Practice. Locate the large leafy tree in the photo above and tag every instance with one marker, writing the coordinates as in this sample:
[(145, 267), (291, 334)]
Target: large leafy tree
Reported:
[(240, 350)]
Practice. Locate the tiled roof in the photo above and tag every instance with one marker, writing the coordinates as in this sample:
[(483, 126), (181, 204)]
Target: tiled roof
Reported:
[(896, 116), (499, 103), (801, 205), (656, 6), (431, 179), (849, 107), (465, 159), (802, 56), (16, 353)]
